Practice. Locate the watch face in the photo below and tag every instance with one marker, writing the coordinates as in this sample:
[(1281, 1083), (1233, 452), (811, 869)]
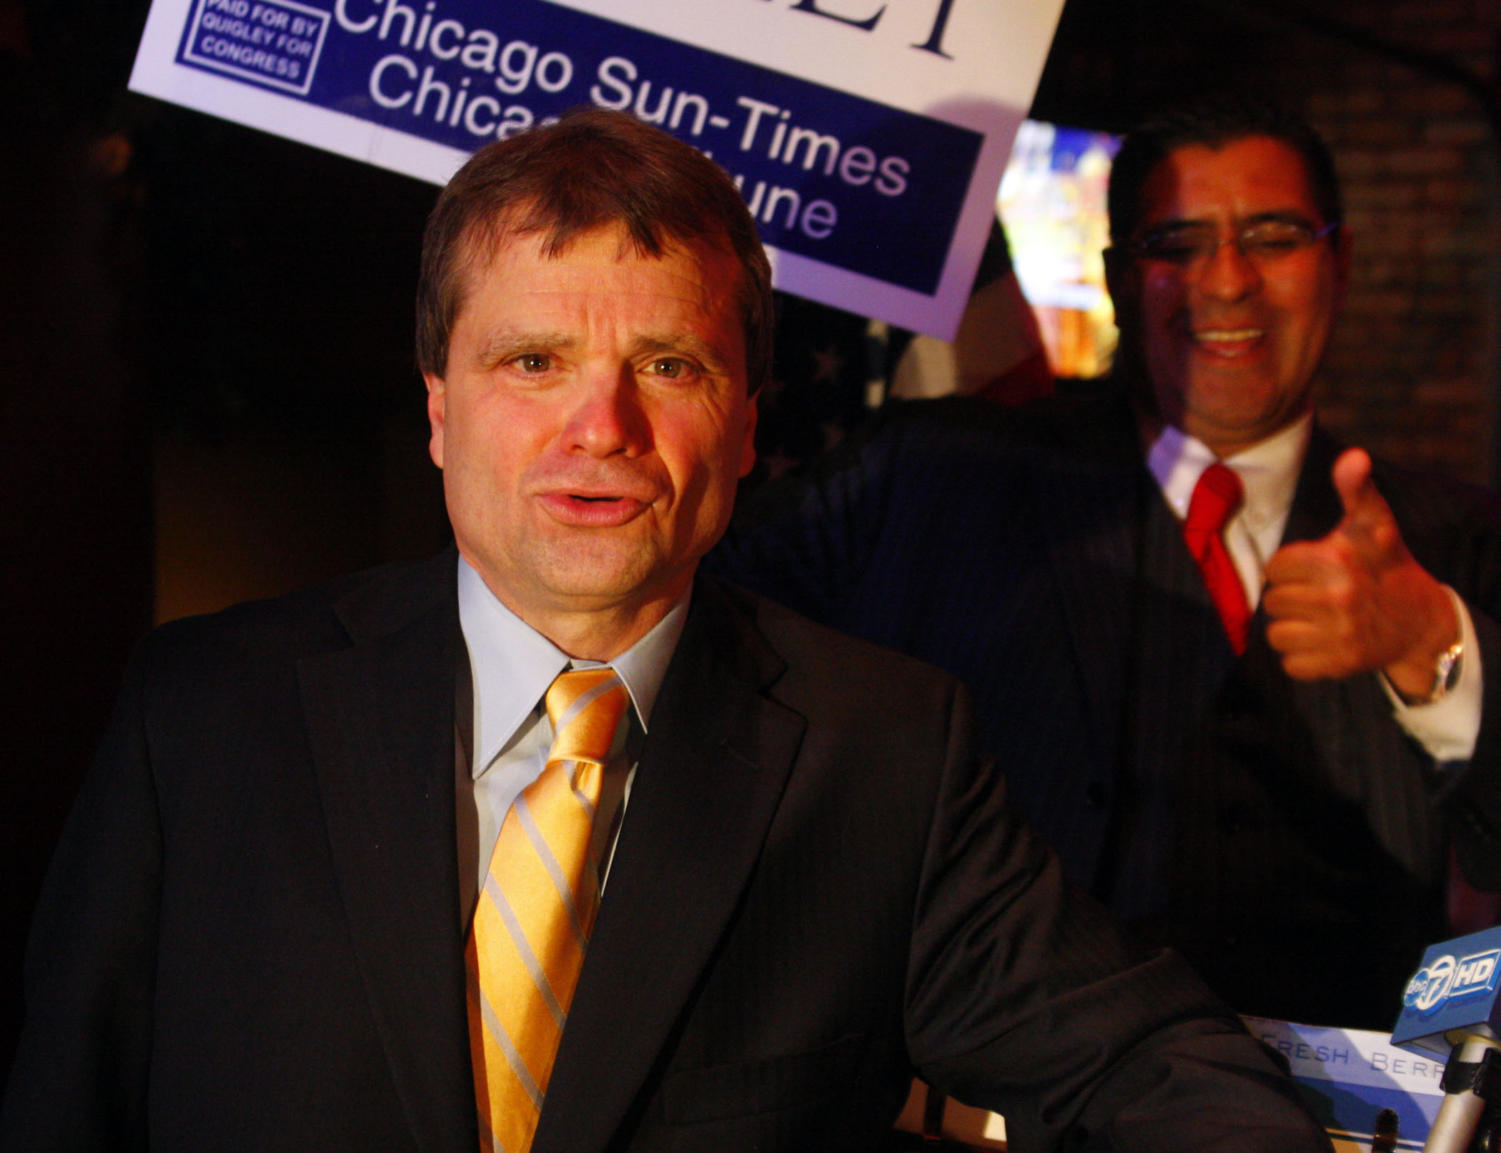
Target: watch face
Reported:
[(1448, 666)]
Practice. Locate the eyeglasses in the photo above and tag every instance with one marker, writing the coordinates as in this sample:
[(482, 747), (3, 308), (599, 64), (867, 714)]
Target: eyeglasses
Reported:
[(1193, 245)]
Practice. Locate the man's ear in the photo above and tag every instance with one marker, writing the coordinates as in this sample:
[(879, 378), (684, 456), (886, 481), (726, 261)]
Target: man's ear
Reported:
[(437, 396)]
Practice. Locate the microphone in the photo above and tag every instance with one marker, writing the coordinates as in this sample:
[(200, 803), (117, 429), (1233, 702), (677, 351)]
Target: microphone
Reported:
[(1450, 1007)]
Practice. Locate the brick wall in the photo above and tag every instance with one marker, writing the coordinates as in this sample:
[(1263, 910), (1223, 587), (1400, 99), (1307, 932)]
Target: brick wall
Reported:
[(1413, 369)]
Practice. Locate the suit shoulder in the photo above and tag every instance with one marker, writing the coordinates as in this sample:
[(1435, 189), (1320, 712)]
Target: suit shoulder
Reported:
[(1438, 496), (815, 652), (318, 618)]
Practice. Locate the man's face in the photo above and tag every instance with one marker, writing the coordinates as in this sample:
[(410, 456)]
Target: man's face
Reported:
[(1230, 342), (591, 425)]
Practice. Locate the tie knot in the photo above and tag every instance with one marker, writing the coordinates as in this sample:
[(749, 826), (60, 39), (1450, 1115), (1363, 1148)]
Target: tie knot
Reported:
[(1214, 501), (585, 707)]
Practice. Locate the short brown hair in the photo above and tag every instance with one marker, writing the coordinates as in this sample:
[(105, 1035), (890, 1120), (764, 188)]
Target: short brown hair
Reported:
[(590, 168), (1215, 121)]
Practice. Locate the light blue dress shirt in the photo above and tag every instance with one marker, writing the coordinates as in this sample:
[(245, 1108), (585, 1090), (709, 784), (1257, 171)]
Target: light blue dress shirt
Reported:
[(511, 666)]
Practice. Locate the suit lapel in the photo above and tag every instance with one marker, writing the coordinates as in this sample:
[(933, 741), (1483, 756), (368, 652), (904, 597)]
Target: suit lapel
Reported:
[(1316, 508), (380, 722), (1091, 492), (708, 784)]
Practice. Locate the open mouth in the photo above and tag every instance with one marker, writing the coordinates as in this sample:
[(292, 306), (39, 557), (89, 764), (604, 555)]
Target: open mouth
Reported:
[(1229, 335), (1228, 341), (594, 510)]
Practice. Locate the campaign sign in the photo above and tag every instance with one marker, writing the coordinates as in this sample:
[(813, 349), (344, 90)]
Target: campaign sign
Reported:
[(873, 188)]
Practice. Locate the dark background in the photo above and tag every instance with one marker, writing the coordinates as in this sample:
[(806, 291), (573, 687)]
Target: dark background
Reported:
[(205, 346)]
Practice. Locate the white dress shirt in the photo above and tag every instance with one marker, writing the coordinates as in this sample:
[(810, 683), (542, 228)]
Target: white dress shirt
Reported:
[(511, 666), (1268, 472)]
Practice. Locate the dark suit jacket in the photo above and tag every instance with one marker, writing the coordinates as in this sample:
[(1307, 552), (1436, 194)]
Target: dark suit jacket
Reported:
[(251, 937), (1289, 838)]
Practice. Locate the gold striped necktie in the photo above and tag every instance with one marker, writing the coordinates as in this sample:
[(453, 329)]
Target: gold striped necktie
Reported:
[(532, 923)]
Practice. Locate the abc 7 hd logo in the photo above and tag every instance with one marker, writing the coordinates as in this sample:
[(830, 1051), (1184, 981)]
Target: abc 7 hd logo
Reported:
[(1446, 979)]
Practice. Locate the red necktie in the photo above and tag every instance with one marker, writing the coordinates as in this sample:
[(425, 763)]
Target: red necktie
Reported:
[(1215, 499)]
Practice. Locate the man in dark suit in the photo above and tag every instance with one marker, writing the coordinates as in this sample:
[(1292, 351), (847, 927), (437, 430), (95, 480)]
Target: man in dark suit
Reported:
[(276, 918), (1282, 796)]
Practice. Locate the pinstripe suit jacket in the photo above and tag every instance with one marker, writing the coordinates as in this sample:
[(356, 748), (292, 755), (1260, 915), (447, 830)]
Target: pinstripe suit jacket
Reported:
[(1289, 838), (251, 941)]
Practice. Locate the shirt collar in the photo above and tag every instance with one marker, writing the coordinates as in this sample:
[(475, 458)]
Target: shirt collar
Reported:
[(1268, 470), (511, 664)]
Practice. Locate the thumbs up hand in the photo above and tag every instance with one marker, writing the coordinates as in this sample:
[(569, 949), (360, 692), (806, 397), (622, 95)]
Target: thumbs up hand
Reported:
[(1356, 601)]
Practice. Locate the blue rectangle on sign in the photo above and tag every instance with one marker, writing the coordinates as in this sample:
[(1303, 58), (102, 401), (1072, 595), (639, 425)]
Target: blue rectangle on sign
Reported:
[(270, 42), (831, 176)]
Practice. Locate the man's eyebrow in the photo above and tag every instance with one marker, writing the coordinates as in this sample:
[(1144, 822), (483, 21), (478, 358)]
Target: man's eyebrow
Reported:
[(1271, 216), (682, 343), (503, 345), (1280, 216)]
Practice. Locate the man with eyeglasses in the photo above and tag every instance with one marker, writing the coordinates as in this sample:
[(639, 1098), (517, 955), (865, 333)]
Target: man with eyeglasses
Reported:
[(1269, 743)]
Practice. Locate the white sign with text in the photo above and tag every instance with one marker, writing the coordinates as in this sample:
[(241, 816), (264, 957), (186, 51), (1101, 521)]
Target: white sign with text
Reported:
[(867, 136)]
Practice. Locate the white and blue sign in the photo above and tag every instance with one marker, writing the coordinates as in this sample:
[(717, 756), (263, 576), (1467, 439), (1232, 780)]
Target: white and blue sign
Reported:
[(868, 142), (1348, 1076), (270, 43)]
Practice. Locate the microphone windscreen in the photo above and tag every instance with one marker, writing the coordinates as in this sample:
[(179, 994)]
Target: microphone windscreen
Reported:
[(1452, 994)]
